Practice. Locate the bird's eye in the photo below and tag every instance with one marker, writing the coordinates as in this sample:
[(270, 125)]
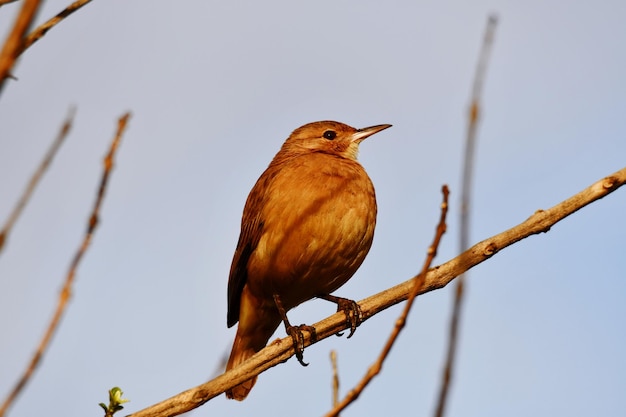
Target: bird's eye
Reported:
[(330, 134)]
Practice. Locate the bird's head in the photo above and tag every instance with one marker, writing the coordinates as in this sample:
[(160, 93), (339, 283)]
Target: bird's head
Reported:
[(328, 137)]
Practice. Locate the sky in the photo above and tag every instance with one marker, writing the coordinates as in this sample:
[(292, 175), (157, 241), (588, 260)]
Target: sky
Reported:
[(214, 89)]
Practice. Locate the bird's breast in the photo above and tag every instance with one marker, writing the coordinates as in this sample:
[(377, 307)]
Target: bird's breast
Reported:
[(318, 215)]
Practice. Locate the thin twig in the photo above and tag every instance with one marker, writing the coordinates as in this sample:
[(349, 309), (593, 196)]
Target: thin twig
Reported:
[(375, 369), (333, 364), (438, 277), (13, 45), (69, 279), (42, 29), (466, 191), (43, 166)]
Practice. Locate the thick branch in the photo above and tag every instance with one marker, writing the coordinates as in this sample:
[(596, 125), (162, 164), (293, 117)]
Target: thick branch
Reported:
[(282, 349), (13, 45)]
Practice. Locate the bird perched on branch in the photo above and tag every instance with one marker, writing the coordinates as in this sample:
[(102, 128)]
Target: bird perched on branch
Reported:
[(306, 228)]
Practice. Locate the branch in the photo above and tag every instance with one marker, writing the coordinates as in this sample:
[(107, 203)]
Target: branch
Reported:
[(42, 29), (418, 283), (468, 170), (13, 45), (333, 364), (18, 42), (69, 279), (45, 163), (282, 349)]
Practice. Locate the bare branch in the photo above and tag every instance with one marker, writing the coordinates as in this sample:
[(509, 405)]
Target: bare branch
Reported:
[(18, 42), (468, 170), (438, 277), (45, 163), (333, 364), (13, 45), (42, 29), (69, 279)]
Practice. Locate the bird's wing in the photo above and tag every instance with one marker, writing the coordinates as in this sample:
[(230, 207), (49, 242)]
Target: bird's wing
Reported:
[(251, 230)]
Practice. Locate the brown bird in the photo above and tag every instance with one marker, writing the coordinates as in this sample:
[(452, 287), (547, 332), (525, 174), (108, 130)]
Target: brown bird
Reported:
[(306, 228)]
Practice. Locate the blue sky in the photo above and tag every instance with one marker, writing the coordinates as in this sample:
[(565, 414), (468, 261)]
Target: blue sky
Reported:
[(215, 88)]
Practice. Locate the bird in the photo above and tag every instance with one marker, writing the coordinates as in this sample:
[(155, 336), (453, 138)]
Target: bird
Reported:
[(307, 225)]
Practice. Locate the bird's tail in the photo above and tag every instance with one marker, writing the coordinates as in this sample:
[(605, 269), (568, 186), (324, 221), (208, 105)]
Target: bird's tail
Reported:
[(256, 326), (242, 350)]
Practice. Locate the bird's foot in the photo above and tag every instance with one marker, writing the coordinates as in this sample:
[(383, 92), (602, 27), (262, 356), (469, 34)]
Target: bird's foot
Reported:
[(295, 331), (350, 308), (298, 340)]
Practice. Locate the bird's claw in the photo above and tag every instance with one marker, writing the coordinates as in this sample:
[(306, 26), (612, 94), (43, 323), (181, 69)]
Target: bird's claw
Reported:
[(298, 340), (352, 310)]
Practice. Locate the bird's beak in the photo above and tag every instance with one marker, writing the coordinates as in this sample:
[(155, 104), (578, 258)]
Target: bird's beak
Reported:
[(361, 134)]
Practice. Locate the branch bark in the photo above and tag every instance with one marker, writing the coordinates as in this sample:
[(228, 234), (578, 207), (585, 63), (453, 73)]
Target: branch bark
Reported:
[(13, 45), (282, 349)]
